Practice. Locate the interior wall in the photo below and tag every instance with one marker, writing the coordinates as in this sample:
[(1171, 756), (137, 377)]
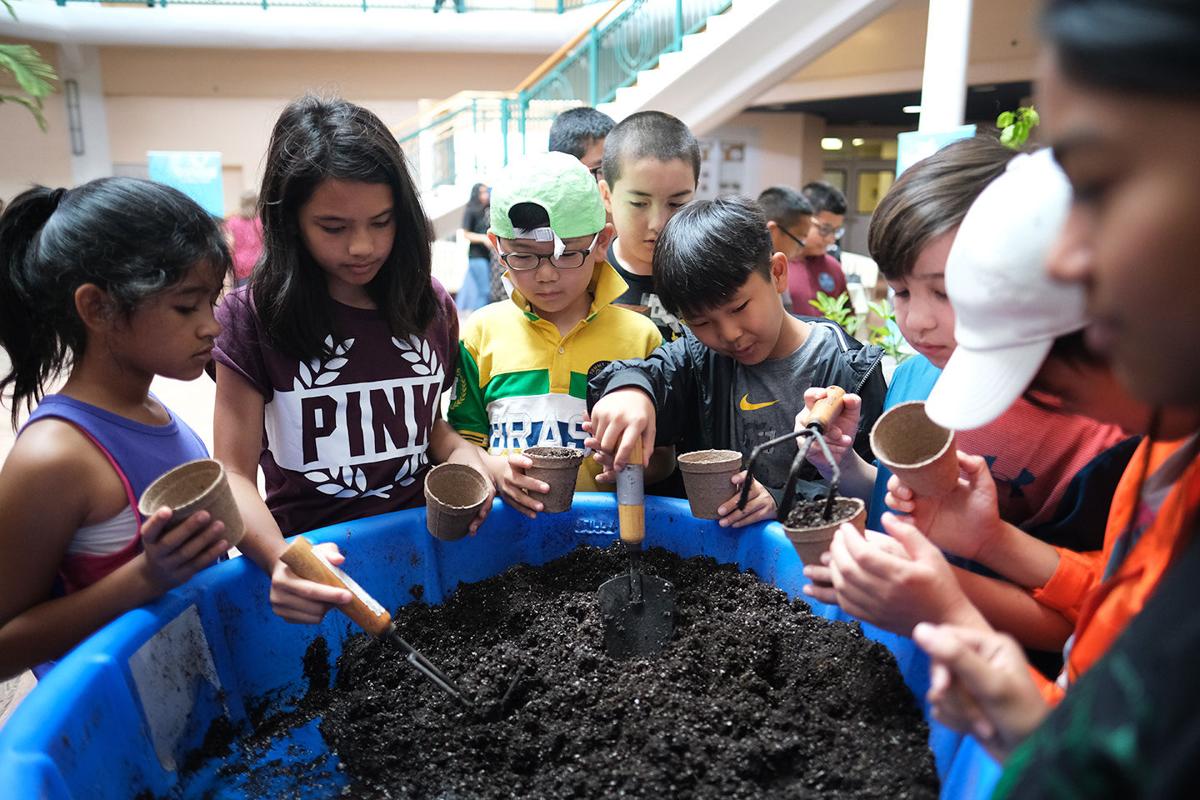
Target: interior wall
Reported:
[(228, 100), (788, 148)]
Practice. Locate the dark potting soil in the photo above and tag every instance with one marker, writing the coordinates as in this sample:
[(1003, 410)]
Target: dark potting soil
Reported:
[(811, 513), (754, 697), (563, 453)]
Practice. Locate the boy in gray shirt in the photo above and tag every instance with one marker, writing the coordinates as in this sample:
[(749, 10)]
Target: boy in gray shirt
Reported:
[(737, 377)]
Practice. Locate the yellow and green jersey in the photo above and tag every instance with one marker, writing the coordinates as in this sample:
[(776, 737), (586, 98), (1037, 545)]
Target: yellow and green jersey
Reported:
[(522, 384)]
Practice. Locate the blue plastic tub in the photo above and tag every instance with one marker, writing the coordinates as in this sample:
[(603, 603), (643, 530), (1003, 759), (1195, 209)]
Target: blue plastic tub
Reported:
[(214, 647)]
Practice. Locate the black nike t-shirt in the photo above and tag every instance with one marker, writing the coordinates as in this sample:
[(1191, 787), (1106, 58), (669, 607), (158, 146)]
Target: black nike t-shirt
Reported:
[(640, 297)]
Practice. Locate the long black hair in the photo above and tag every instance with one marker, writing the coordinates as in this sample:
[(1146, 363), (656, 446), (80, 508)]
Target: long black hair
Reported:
[(476, 205), (1147, 46), (131, 238), (316, 139)]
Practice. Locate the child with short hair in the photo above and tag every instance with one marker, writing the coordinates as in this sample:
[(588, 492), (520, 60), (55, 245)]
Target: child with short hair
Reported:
[(735, 378), (789, 216), (523, 363), (822, 271), (331, 366), (93, 282), (651, 170), (581, 132)]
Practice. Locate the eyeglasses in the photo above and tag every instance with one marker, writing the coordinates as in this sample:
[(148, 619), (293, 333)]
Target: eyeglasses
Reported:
[(828, 230), (570, 259), (791, 235), (597, 172)]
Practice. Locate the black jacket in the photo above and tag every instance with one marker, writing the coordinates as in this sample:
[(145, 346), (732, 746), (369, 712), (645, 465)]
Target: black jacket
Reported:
[(693, 392)]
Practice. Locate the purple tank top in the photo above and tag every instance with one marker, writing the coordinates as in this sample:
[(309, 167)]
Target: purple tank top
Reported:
[(142, 452)]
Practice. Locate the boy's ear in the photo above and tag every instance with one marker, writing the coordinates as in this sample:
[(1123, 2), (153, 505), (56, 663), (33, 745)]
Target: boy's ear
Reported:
[(94, 307), (495, 242), (604, 239), (779, 272), (605, 195)]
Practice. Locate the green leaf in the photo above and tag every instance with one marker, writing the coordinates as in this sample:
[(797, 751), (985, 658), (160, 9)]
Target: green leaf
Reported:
[(1007, 135), (8, 7), (32, 103), (1005, 119), (1032, 116), (33, 75)]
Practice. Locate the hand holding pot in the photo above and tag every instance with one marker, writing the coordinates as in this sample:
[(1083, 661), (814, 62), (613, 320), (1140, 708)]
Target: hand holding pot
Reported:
[(839, 433), (760, 505), (516, 488), (966, 521), (894, 591), (172, 556), (980, 684)]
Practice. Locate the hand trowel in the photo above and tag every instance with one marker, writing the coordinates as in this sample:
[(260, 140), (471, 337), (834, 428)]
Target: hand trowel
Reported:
[(638, 610)]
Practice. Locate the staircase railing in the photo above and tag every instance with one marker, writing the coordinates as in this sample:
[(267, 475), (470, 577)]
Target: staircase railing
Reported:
[(480, 132)]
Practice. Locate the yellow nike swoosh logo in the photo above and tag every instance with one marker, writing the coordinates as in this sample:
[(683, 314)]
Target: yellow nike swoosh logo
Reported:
[(746, 405)]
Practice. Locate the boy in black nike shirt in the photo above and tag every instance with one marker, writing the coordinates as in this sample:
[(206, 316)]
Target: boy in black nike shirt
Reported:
[(737, 376)]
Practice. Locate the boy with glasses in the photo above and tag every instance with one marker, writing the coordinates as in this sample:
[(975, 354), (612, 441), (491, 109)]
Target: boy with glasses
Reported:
[(789, 217), (823, 272), (523, 363)]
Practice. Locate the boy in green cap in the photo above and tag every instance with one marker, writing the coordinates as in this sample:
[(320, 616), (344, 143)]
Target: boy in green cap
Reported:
[(523, 363)]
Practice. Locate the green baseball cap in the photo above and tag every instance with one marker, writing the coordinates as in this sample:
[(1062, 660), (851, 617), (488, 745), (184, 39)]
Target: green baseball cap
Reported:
[(557, 182)]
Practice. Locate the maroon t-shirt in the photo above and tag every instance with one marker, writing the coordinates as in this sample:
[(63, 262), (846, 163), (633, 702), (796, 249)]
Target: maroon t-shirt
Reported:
[(347, 436), (812, 274)]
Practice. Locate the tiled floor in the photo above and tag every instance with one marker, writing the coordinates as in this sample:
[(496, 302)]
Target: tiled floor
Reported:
[(192, 401)]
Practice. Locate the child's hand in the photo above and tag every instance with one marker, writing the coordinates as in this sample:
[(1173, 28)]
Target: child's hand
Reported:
[(173, 556), (892, 590), (515, 486), (300, 600), (616, 422), (760, 505), (486, 508), (821, 574), (840, 432), (980, 684), (966, 522)]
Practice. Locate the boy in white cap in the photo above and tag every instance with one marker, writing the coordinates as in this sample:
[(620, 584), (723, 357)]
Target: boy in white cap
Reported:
[(523, 362)]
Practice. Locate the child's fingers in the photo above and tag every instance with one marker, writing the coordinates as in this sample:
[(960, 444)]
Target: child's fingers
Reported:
[(648, 443), (193, 546), (818, 574), (155, 524), (527, 505), (289, 588), (169, 540), (528, 484), (822, 594), (519, 461), (331, 553)]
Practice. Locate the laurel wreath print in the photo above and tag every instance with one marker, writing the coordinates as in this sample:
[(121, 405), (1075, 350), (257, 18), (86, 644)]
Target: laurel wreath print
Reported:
[(345, 482)]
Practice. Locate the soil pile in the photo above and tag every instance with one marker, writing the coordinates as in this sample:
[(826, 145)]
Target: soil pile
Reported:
[(755, 697)]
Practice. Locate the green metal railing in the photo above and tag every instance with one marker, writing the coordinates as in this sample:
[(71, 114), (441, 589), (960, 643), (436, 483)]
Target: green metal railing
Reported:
[(471, 135), (550, 6)]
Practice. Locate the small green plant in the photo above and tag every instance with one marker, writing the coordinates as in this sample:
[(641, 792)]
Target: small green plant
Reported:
[(837, 309), (34, 76), (1015, 126), (883, 334)]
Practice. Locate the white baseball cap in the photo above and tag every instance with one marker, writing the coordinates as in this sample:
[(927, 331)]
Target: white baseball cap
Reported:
[(1008, 311)]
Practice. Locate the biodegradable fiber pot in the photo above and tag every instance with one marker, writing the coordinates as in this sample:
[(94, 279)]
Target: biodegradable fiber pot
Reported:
[(707, 478), (454, 493), (195, 486), (559, 467), (913, 446), (811, 540)]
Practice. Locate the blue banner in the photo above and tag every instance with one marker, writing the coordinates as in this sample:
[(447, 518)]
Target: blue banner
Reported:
[(195, 173)]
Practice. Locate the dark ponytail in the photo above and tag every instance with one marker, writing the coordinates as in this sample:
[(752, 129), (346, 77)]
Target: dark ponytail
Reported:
[(129, 237)]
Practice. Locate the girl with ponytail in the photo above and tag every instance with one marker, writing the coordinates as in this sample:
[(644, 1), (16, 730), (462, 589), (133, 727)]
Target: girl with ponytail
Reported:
[(110, 283)]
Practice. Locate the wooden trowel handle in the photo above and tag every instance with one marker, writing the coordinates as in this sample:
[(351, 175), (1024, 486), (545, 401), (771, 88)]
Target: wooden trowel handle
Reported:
[(362, 608), (827, 407), (631, 498)]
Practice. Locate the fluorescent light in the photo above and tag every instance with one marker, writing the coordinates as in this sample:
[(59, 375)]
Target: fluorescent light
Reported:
[(832, 143), (858, 142), (911, 109)]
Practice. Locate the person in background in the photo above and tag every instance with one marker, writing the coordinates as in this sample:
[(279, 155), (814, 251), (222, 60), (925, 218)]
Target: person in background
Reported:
[(244, 230), (789, 216), (581, 132), (476, 287), (829, 216)]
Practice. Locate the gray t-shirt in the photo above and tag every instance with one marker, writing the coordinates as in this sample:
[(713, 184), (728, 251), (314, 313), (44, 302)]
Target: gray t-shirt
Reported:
[(768, 397)]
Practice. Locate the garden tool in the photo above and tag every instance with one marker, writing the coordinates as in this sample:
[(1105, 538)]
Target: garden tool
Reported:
[(823, 412), (638, 610), (373, 618)]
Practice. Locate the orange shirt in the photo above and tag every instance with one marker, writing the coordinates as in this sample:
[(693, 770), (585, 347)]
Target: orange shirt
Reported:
[(1153, 506)]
